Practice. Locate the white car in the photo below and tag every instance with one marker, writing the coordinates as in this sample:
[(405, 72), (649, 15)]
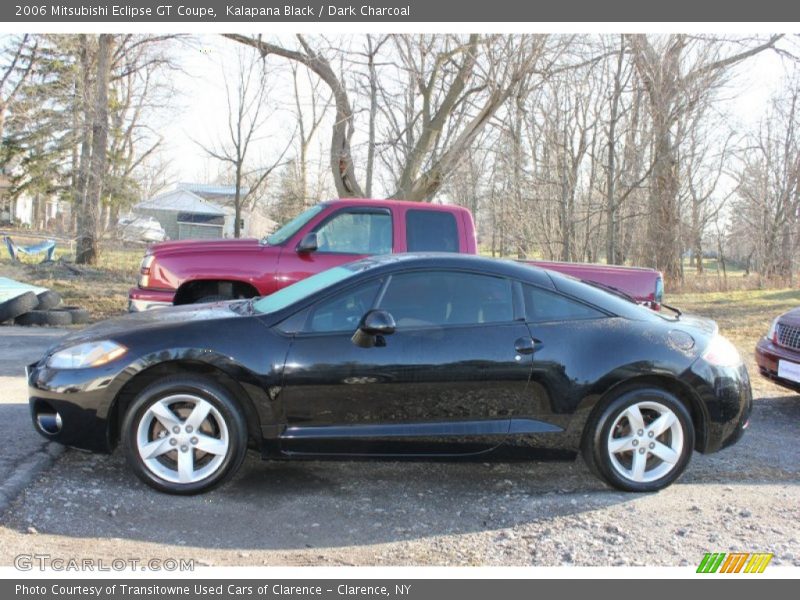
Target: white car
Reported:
[(141, 229)]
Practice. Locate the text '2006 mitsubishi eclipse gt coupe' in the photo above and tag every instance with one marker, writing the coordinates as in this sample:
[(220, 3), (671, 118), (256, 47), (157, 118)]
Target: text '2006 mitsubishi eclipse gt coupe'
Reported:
[(399, 356)]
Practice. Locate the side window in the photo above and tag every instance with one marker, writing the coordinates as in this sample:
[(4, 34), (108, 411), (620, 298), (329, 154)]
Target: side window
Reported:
[(431, 231), (356, 233), (544, 305), (436, 298), (343, 311)]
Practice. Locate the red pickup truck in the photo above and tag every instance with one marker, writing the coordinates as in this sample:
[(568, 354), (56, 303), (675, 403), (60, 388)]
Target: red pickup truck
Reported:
[(330, 234)]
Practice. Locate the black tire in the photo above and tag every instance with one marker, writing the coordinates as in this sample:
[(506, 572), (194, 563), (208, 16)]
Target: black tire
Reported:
[(50, 318), (48, 300), (79, 316), (11, 309), (595, 445), (198, 387), (208, 299)]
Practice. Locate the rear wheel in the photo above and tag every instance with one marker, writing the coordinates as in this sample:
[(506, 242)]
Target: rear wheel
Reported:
[(184, 435), (641, 441)]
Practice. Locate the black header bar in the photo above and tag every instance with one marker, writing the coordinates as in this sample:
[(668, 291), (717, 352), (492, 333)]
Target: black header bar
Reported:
[(398, 11)]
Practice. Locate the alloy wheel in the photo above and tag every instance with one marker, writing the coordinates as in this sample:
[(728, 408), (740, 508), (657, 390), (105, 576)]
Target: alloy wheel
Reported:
[(645, 442), (182, 438)]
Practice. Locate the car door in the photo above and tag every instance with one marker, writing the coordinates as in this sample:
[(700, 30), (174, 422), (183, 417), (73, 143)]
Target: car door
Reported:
[(571, 339), (343, 236), (443, 383)]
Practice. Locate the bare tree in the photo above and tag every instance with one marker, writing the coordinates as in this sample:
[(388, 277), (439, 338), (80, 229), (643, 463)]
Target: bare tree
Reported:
[(86, 250), (677, 72), (248, 111)]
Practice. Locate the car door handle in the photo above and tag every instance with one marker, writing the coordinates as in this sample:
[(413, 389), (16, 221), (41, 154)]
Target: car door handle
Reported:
[(526, 345)]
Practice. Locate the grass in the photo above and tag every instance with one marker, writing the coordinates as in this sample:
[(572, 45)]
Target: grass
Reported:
[(102, 288)]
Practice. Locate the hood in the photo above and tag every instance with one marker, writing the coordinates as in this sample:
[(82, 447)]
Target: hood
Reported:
[(791, 317), (224, 245), (697, 323), (170, 316)]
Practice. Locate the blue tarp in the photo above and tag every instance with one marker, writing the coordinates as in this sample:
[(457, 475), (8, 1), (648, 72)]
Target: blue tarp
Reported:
[(48, 247)]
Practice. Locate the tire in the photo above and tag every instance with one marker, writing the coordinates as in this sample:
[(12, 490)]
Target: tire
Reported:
[(79, 316), (223, 431), (48, 300), (613, 445), (51, 318), (208, 299), (11, 309)]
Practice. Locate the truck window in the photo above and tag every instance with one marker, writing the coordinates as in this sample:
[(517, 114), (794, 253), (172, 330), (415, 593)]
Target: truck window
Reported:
[(431, 231), (356, 233)]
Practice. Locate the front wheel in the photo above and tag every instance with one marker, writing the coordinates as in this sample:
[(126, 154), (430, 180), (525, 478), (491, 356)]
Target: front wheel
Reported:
[(184, 435), (641, 441)]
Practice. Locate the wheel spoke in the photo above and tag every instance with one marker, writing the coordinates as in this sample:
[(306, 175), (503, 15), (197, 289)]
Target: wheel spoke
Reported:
[(155, 448), (623, 444), (164, 415), (665, 453), (212, 445), (198, 414), (662, 423), (638, 466), (634, 416), (186, 466)]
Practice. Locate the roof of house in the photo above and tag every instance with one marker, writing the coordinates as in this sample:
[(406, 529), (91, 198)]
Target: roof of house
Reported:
[(182, 201), (209, 190)]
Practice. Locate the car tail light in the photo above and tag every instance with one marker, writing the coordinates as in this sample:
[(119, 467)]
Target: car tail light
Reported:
[(721, 353), (144, 270)]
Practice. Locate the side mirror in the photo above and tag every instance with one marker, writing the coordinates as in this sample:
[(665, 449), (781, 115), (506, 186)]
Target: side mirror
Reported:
[(308, 243), (373, 326)]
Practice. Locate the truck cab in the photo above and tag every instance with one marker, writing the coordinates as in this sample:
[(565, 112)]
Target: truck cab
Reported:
[(324, 236)]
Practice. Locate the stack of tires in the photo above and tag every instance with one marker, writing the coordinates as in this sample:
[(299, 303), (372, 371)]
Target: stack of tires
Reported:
[(44, 308)]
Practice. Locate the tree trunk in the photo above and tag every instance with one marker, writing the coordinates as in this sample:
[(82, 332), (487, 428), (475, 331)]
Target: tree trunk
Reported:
[(87, 248)]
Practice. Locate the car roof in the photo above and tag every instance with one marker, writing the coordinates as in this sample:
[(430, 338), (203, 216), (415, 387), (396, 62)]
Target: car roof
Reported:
[(451, 260), (409, 204)]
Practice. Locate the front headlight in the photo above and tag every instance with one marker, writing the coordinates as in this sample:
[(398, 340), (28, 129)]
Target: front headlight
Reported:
[(772, 334), (721, 353), (89, 354)]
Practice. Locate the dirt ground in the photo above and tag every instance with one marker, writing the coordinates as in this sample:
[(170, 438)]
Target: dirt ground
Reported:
[(745, 498)]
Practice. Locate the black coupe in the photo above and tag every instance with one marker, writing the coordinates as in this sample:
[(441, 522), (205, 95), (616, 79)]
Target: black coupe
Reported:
[(399, 356)]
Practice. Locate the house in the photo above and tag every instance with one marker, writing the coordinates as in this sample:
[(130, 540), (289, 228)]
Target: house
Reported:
[(255, 222), (184, 215), (200, 211)]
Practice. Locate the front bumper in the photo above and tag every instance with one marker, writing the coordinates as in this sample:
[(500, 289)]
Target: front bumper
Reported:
[(726, 401), (74, 406), (767, 356), (140, 300)]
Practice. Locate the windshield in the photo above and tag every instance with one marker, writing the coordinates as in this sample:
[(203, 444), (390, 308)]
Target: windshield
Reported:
[(293, 226), (302, 289)]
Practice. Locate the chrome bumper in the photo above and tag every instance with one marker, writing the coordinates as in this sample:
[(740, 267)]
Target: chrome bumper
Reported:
[(143, 305)]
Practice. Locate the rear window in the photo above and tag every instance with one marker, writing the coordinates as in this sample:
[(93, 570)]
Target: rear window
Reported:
[(543, 305), (431, 231)]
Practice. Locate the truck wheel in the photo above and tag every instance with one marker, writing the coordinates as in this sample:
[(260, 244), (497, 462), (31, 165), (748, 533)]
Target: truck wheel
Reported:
[(641, 441), (11, 309), (184, 435)]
